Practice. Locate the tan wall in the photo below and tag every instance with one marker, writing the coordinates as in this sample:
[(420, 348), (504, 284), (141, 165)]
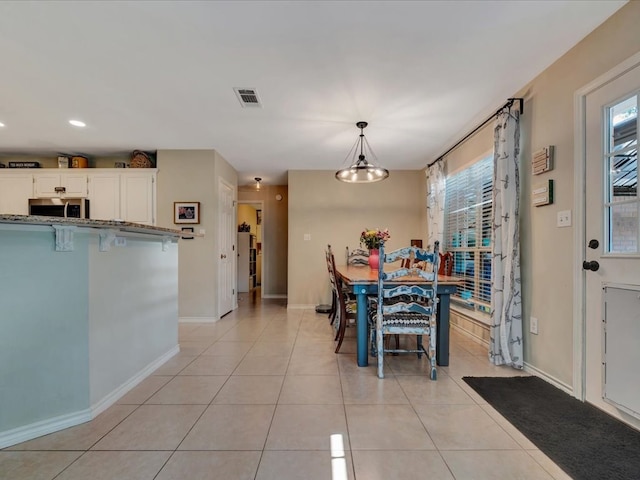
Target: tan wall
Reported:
[(192, 175), (275, 221), (335, 213), (547, 251)]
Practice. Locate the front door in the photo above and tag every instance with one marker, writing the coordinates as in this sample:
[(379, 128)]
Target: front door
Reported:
[(226, 242), (612, 259)]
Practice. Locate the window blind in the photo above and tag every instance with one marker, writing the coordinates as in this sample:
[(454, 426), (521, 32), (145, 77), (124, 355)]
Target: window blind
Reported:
[(468, 209)]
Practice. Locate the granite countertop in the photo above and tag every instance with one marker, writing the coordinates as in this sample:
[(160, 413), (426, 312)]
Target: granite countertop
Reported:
[(84, 222)]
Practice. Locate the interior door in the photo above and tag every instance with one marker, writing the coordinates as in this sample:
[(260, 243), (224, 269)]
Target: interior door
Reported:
[(226, 242), (612, 260)]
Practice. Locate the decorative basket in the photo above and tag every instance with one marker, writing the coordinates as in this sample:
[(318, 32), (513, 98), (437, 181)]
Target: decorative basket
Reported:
[(140, 159)]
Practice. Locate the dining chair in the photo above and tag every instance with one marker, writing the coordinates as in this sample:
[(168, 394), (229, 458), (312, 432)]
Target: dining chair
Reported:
[(446, 264), (345, 306), (357, 256), (334, 300), (407, 305)]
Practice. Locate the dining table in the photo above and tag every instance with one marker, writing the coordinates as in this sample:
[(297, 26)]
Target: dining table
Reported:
[(363, 282)]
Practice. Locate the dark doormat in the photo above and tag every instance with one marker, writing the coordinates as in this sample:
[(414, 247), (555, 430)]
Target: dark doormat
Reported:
[(584, 441)]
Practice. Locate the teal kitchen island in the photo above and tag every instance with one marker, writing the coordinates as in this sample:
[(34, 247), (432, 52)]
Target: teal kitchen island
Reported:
[(88, 309)]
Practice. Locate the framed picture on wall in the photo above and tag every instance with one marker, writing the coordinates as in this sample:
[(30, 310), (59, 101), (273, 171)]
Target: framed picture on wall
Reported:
[(186, 212), (259, 217), (416, 243)]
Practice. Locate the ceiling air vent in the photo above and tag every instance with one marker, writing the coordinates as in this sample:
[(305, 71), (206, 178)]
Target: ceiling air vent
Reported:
[(248, 97)]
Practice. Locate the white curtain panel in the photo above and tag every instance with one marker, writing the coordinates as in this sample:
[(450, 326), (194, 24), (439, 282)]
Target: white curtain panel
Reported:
[(435, 203), (505, 346)]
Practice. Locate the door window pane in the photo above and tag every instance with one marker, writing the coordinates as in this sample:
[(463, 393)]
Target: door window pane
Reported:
[(621, 157), (624, 228)]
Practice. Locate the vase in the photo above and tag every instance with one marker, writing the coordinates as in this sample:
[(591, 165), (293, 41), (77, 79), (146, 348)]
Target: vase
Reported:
[(374, 258)]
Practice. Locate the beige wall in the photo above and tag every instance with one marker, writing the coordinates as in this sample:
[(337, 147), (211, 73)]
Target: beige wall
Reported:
[(547, 251), (275, 221), (193, 175), (335, 213)]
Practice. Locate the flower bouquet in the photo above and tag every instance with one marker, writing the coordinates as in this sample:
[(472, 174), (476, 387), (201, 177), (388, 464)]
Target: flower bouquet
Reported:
[(372, 238)]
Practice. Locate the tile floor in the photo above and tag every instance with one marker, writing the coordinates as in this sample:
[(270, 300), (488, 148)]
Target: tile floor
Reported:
[(261, 395)]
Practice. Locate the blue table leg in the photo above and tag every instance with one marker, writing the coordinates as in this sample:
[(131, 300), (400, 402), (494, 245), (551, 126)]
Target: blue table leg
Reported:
[(442, 330), (362, 327)]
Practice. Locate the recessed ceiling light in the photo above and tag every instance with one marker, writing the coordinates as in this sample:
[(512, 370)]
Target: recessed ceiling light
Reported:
[(77, 123), (1, 124)]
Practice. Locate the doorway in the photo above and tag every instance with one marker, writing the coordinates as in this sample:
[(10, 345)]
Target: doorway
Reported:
[(252, 213), (608, 252)]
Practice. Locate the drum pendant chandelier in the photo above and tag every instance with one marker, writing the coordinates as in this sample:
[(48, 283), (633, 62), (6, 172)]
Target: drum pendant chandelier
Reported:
[(361, 171)]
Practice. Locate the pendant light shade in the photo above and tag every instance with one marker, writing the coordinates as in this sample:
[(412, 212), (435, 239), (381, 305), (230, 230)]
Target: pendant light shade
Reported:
[(361, 171), (258, 180)]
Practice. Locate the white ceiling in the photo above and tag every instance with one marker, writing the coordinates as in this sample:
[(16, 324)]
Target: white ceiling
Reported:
[(160, 75)]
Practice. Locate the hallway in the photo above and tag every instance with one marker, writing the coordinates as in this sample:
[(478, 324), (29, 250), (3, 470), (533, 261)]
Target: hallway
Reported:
[(261, 395)]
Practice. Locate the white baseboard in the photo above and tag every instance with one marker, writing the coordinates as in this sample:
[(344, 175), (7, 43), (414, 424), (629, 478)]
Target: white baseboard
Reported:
[(50, 425), (111, 398), (44, 427), (548, 378), (274, 295), (197, 319), (299, 306)]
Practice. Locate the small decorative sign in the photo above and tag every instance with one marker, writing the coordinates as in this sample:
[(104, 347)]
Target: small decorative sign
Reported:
[(542, 194), (187, 229), (542, 160), (24, 164)]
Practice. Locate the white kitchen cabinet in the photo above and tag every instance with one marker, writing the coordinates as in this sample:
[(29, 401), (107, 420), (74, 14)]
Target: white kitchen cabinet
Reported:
[(138, 197), (74, 184), (104, 196), (114, 194), (15, 191)]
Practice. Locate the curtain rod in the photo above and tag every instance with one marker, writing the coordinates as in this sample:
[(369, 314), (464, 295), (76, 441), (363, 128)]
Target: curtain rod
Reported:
[(508, 104)]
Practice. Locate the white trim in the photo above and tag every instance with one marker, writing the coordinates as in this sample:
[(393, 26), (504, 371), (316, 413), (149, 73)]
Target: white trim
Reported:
[(548, 378), (274, 295), (482, 156), (55, 424), (111, 398), (262, 260), (579, 233), (198, 319), (44, 427), (299, 306)]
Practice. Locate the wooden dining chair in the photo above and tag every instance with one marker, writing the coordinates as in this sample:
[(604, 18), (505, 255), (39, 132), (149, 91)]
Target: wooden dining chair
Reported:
[(446, 264), (407, 308), (357, 256), (345, 306), (334, 300)]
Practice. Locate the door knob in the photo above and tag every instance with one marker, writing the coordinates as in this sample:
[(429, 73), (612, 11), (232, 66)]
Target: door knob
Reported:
[(594, 243), (592, 265)]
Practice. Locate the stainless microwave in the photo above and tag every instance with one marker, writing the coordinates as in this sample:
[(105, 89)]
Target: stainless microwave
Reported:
[(59, 207)]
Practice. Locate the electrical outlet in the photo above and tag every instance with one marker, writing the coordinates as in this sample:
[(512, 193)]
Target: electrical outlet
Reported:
[(307, 237), (533, 325), (120, 242), (564, 218)]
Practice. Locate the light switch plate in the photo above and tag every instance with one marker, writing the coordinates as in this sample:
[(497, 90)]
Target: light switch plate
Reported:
[(564, 218), (533, 325), (307, 236)]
